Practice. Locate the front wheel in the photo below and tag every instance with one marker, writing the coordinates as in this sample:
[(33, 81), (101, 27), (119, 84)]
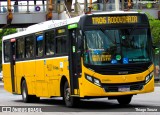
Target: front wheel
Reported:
[(124, 100), (68, 99)]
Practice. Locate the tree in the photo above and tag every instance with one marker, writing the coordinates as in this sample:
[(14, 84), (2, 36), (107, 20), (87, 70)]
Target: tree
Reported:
[(4, 32), (155, 29)]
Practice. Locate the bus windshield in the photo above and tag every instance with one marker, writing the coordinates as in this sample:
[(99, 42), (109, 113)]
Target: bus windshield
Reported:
[(116, 46)]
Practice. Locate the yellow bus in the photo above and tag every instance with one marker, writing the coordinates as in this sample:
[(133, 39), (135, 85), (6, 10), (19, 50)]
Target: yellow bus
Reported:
[(90, 56)]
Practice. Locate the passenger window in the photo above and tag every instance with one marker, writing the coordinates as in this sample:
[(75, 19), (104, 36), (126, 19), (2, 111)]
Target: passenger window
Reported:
[(6, 51), (29, 47), (39, 46), (49, 43), (20, 48), (61, 43)]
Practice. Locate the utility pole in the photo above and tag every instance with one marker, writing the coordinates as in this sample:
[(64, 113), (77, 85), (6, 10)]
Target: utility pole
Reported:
[(9, 15), (49, 9), (117, 5)]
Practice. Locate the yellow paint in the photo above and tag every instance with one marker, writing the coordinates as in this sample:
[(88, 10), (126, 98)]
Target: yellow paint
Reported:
[(89, 89), (43, 79), (76, 91)]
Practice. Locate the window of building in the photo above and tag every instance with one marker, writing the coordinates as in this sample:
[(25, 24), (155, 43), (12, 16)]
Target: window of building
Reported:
[(29, 47), (39, 45), (49, 36), (7, 51), (20, 48)]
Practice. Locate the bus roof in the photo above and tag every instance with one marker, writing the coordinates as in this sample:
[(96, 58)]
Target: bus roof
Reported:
[(57, 23), (43, 26)]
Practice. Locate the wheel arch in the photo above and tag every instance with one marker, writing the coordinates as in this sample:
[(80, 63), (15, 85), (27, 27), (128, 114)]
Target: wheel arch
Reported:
[(63, 80)]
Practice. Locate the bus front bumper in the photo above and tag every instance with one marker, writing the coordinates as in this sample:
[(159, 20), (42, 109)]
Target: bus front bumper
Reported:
[(89, 89)]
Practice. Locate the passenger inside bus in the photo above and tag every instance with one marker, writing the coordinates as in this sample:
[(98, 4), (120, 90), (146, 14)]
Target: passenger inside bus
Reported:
[(40, 51), (29, 53), (39, 46)]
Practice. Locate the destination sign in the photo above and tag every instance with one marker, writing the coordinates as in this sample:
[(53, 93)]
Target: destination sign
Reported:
[(115, 20), (101, 57)]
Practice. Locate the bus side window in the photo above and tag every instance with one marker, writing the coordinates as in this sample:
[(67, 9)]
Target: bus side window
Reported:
[(61, 41), (20, 48), (49, 37), (61, 45), (29, 47), (39, 45), (6, 51)]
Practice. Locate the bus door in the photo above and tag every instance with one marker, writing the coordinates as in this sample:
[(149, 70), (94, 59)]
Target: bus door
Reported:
[(12, 64), (74, 61)]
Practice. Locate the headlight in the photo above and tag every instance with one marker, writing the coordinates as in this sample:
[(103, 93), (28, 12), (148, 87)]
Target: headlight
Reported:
[(149, 77), (93, 80)]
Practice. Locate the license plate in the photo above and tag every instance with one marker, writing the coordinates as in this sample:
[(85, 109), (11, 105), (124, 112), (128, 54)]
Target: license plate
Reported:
[(124, 89)]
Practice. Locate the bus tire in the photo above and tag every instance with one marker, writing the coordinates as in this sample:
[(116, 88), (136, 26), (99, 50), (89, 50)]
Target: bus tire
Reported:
[(34, 98), (68, 99), (124, 100), (25, 97)]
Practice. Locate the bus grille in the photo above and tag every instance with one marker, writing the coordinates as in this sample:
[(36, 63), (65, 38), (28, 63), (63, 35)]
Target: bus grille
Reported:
[(120, 69), (115, 87)]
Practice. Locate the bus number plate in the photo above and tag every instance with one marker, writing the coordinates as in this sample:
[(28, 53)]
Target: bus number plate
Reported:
[(124, 89)]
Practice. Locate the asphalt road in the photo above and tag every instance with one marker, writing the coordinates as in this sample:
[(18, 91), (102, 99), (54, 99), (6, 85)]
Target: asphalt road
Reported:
[(140, 103)]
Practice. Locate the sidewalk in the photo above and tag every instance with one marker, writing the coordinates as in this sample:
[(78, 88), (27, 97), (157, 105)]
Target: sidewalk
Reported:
[(157, 84), (1, 83)]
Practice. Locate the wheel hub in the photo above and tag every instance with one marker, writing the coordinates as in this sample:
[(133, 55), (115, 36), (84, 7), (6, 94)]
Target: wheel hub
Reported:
[(67, 93), (24, 93)]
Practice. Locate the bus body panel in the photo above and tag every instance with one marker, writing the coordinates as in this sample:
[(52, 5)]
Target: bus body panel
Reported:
[(41, 88), (46, 82), (87, 88), (96, 91), (49, 76), (19, 74), (7, 77), (29, 75)]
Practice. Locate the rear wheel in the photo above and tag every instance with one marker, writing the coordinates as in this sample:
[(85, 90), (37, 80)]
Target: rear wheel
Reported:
[(25, 96), (68, 99), (124, 100)]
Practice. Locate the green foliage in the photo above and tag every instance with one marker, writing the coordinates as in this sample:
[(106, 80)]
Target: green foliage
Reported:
[(155, 29), (4, 32)]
